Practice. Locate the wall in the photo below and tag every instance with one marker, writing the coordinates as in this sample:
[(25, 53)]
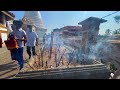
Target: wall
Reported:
[(85, 72), (3, 33), (3, 29)]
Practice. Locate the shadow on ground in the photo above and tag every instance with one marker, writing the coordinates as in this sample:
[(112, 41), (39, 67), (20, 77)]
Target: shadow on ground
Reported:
[(8, 70)]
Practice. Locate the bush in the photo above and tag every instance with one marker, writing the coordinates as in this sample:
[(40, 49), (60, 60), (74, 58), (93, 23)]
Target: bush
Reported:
[(112, 67)]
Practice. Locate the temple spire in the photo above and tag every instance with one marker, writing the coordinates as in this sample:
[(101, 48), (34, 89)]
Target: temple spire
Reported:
[(35, 18)]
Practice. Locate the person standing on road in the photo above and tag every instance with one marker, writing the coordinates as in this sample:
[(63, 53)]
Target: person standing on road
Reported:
[(21, 38), (32, 38), (44, 38)]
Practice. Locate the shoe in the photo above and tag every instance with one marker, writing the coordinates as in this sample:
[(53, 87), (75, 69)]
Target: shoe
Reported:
[(14, 61), (25, 61), (29, 57), (21, 66)]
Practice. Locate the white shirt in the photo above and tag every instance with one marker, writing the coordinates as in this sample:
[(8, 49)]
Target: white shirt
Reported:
[(19, 34), (9, 26), (32, 36)]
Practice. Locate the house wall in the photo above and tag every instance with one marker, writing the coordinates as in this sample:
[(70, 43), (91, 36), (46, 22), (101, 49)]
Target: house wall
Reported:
[(3, 35), (3, 29)]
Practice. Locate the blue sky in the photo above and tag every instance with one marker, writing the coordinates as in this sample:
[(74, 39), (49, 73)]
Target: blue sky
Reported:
[(58, 19)]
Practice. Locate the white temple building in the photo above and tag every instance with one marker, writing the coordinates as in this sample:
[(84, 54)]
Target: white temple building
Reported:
[(36, 19)]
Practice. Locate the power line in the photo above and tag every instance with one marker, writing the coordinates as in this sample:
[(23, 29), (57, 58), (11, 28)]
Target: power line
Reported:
[(109, 14)]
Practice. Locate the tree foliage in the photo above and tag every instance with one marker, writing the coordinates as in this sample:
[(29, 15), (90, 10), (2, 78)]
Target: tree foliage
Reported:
[(117, 31), (108, 32), (117, 19)]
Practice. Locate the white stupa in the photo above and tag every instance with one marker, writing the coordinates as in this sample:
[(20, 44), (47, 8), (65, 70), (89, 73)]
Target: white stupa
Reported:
[(36, 19)]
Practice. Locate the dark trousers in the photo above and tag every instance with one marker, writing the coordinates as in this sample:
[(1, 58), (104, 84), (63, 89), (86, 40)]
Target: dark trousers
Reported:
[(29, 50), (21, 59)]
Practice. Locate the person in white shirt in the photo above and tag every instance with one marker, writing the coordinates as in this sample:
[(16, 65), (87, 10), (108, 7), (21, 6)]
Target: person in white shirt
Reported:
[(21, 38), (32, 40)]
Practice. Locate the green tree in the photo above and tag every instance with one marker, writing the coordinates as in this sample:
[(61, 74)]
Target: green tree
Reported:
[(115, 32), (108, 32), (117, 19)]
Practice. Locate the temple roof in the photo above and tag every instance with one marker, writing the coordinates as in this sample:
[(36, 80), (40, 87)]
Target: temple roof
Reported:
[(92, 19)]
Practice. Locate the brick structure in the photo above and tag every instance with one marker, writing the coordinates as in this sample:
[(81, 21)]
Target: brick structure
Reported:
[(90, 26)]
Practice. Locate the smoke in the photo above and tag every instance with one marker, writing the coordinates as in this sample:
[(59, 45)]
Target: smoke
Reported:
[(103, 49), (57, 40)]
